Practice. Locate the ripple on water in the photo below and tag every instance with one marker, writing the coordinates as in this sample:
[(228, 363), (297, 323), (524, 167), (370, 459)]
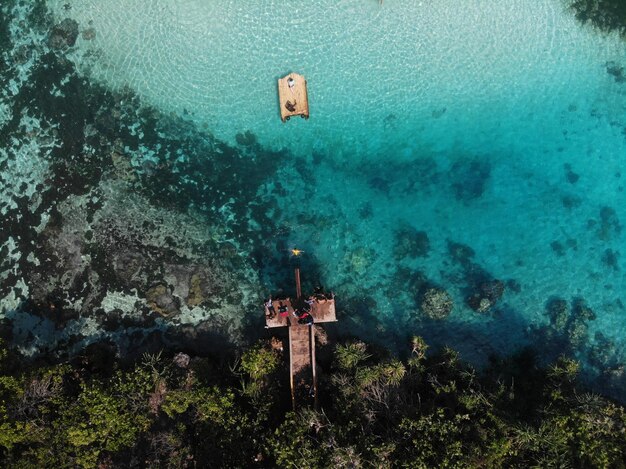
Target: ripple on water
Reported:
[(519, 85)]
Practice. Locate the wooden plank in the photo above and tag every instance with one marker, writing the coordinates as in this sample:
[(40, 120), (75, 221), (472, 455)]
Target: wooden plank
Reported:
[(298, 286), (313, 370), (301, 346), (324, 311), (293, 100), (293, 391), (300, 361)]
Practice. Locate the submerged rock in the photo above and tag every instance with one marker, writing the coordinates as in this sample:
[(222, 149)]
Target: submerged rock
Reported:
[(581, 311), (610, 259), (460, 253), (570, 324), (160, 300), (570, 175), (437, 113), (196, 295), (605, 15), (557, 247), (64, 34), (89, 34), (246, 139), (123, 167)]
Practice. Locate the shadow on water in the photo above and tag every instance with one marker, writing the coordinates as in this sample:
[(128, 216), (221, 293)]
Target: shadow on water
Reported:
[(503, 332), (42, 332), (481, 343)]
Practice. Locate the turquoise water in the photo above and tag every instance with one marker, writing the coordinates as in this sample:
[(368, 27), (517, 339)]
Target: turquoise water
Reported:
[(495, 125)]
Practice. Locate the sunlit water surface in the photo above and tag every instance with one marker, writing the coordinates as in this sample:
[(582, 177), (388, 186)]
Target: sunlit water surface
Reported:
[(487, 123)]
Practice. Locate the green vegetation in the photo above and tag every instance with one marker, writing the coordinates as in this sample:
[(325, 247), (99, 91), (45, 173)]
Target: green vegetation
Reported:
[(430, 410), (606, 15)]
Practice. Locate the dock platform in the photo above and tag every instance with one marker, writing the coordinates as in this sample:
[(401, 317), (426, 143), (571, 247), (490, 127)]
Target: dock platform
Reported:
[(282, 314), (302, 363), (293, 97), (300, 315)]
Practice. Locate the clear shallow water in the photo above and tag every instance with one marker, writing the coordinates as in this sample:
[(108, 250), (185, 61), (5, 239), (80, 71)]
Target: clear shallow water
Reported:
[(456, 120), (219, 61)]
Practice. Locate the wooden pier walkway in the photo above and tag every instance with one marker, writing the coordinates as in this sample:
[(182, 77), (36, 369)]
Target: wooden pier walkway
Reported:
[(293, 97), (302, 362), (300, 315)]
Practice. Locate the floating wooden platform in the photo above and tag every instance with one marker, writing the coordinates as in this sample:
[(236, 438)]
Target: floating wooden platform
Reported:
[(293, 97)]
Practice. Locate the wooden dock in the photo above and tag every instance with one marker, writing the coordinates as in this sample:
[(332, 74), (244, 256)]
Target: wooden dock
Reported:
[(293, 97), (322, 310), (300, 314), (302, 363)]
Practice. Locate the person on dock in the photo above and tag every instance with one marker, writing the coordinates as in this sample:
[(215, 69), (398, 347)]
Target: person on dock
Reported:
[(291, 83), (319, 294), (305, 318), (270, 309), (283, 310)]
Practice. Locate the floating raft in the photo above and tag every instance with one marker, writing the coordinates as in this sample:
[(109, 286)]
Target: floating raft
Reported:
[(293, 97)]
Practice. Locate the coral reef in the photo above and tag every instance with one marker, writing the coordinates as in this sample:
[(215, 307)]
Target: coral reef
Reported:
[(359, 260), (606, 15), (570, 323), (64, 34), (118, 221), (486, 295), (469, 178), (410, 243), (420, 175), (436, 303)]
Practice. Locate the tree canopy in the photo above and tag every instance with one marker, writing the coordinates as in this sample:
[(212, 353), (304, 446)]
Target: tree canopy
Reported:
[(429, 410)]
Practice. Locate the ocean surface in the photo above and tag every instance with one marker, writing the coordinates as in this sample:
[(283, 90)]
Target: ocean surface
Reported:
[(476, 147)]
